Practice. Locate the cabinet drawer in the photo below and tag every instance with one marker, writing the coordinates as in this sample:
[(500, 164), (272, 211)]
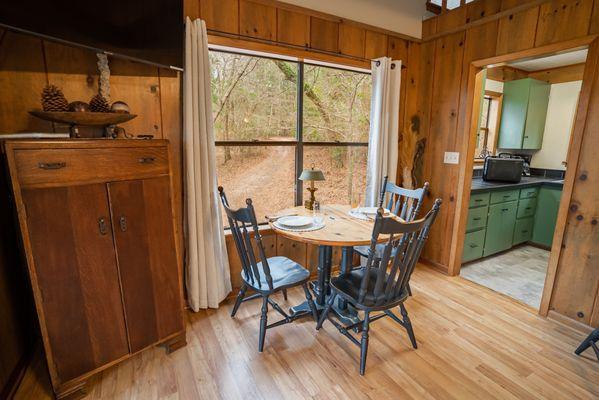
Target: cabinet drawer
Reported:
[(61, 166), (479, 199), (477, 218), (502, 196), (529, 192), (523, 230), (473, 245), (526, 208)]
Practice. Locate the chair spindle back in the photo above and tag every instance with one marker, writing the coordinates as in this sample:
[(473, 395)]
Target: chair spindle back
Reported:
[(405, 203), (394, 267), (240, 223)]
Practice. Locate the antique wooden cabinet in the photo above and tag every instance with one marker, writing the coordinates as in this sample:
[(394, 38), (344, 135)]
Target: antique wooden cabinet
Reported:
[(96, 219)]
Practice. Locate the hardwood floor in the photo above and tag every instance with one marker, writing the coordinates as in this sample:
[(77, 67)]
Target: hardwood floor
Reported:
[(473, 344)]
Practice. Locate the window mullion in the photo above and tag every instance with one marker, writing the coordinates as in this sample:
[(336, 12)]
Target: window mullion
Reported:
[(299, 148)]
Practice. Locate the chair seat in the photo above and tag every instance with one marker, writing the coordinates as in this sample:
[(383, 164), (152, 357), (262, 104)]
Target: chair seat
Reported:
[(284, 273), (378, 250), (348, 287)]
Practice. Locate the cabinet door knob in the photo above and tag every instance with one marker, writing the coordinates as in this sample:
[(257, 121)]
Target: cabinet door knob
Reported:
[(123, 223), (102, 226)]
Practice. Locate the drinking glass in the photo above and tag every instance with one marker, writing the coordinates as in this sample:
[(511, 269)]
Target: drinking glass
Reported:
[(317, 214), (356, 199)]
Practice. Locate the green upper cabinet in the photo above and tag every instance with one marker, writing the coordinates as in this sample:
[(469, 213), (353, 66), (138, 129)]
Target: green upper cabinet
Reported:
[(523, 114), (538, 101)]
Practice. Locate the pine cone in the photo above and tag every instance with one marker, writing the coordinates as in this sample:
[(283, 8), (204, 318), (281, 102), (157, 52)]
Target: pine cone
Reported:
[(98, 103), (53, 99)]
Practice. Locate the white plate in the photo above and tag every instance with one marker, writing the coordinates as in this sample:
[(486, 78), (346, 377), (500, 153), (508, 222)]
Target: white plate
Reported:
[(295, 221), (370, 210)]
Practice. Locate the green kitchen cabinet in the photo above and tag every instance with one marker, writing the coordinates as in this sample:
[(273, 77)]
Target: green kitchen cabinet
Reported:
[(546, 215), (500, 227), (523, 114), (477, 218), (523, 230), (473, 245), (526, 208)]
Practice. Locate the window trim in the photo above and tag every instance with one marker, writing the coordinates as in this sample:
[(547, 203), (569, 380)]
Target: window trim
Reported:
[(298, 142)]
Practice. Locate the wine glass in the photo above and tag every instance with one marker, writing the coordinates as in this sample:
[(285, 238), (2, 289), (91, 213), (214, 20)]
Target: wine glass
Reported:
[(317, 214)]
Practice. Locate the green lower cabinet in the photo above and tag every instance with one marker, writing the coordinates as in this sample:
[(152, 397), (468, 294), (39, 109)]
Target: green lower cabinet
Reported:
[(526, 208), (477, 218), (500, 227), (473, 245), (523, 230), (546, 216)]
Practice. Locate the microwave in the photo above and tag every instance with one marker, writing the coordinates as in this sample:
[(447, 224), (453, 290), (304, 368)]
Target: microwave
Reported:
[(503, 169)]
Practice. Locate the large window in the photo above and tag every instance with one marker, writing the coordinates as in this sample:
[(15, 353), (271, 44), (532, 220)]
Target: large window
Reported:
[(273, 118)]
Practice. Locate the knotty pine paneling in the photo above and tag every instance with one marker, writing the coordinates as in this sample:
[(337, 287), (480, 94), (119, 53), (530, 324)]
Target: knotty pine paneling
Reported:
[(480, 9), (376, 45), (324, 34), (561, 20), (451, 19), (594, 27), (257, 20), (220, 15), (517, 31), (293, 28), (449, 52), (352, 40)]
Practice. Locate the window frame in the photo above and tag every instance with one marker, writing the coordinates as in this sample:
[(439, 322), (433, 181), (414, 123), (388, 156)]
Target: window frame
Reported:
[(298, 143)]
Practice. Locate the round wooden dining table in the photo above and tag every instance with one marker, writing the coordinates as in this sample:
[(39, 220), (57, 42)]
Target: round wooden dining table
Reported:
[(340, 230)]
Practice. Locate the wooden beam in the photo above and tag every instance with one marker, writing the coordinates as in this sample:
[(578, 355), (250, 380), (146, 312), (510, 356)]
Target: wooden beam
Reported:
[(506, 73), (569, 73)]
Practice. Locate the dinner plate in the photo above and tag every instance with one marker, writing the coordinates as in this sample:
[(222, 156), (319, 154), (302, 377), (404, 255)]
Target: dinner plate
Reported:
[(370, 210), (295, 221)]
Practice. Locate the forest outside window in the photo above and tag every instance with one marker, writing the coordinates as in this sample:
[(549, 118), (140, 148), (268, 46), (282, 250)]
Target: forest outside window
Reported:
[(275, 117)]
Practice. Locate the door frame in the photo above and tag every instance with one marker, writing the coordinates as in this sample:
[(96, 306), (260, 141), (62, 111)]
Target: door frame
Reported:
[(475, 82)]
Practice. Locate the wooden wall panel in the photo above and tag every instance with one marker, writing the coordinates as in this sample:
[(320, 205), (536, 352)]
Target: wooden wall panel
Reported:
[(138, 86), (324, 34), (257, 20), (576, 285), (568, 73), (376, 45), (562, 20), (451, 19), (220, 15), (352, 39), (480, 9), (398, 49), (22, 79), (291, 249), (293, 28), (443, 178), (594, 26), (516, 31), (429, 27)]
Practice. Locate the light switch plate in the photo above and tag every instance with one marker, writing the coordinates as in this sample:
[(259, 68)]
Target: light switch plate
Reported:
[(451, 157)]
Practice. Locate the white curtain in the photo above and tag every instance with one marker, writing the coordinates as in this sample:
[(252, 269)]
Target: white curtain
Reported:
[(383, 144), (207, 273)]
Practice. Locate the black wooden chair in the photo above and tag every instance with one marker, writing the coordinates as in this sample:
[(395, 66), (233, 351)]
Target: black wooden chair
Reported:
[(405, 203), (382, 284), (265, 276)]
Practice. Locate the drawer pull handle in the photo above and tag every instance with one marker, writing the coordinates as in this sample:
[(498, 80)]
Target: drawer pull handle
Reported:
[(525, 231), (123, 224), (54, 165), (146, 160), (504, 209), (528, 208), (506, 196), (476, 219), (102, 226), (477, 200), (472, 245)]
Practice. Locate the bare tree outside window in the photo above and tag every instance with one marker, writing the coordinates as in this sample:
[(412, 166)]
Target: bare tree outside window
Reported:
[(262, 145)]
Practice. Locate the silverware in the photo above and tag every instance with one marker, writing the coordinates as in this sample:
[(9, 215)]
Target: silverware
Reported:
[(273, 219)]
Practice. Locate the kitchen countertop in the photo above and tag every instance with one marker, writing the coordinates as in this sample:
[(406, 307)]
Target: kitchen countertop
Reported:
[(479, 185)]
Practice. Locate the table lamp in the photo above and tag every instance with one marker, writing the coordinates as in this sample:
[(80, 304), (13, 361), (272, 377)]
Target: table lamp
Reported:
[(311, 175)]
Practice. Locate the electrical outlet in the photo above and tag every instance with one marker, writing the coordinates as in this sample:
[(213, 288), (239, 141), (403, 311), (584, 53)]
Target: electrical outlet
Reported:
[(451, 157)]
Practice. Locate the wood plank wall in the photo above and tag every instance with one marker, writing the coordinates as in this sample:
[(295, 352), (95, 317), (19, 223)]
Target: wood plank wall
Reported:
[(480, 30)]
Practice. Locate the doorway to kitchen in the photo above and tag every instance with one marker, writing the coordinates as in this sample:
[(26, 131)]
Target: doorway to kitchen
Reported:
[(526, 111)]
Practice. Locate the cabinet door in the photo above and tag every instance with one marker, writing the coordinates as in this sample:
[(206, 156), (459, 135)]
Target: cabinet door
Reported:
[(546, 215), (473, 245), (76, 273), (513, 114), (500, 227), (538, 101), (145, 242), (526, 208), (522, 230)]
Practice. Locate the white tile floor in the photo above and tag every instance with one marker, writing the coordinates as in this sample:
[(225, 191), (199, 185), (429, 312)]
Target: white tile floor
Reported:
[(518, 273)]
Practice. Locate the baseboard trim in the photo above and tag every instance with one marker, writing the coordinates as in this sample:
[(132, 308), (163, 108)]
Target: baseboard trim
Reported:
[(435, 265), (569, 322)]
